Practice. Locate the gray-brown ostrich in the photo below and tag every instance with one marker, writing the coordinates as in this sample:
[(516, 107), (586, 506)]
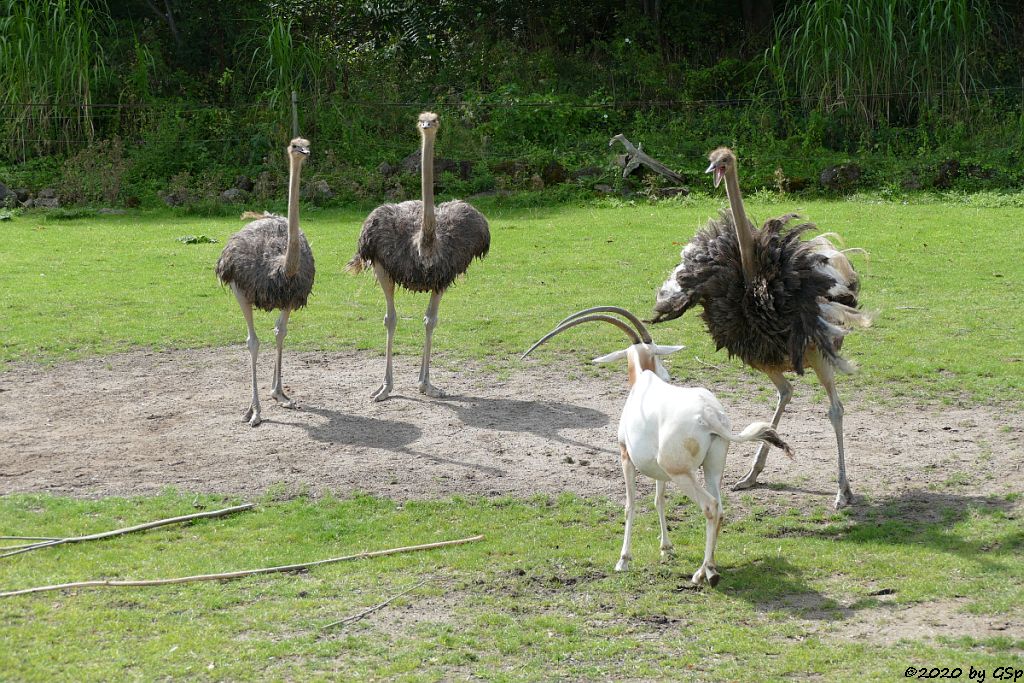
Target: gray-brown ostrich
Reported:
[(269, 265), (778, 302), (422, 249)]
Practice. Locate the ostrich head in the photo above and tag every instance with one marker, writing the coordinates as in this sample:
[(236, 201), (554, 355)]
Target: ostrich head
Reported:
[(428, 123), (298, 149), (722, 160)]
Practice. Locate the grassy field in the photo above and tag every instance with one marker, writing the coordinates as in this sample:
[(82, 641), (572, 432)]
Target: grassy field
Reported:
[(857, 595), (944, 278), (535, 600)]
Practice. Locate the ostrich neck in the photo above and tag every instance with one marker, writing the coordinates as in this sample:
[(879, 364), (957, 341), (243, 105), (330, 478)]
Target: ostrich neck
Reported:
[(291, 254), (739, 217), (427, 188)]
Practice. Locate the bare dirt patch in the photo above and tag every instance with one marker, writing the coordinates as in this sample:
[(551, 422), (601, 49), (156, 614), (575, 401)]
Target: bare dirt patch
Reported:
[(138, 422)]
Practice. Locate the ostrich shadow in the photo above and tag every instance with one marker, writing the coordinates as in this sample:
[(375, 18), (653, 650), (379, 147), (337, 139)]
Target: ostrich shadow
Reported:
[(389, 435), (926, 518), (543, 418)]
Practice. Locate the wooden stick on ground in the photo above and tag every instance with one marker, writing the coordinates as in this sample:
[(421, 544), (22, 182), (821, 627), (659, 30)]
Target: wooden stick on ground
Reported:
[(237, 574), (128, 530), (371, 610), (28, 538)]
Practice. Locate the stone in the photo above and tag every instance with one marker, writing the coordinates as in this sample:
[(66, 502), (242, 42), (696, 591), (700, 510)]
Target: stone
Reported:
[(554, 173), (233, 194), (948, 171), (840, 178), (244, 183)]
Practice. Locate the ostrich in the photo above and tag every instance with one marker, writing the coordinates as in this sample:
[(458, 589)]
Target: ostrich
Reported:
[(777, 302), (269, 265), (423, 250)]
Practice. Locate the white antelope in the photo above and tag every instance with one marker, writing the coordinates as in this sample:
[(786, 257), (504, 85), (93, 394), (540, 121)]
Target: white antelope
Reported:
[(669, 432)]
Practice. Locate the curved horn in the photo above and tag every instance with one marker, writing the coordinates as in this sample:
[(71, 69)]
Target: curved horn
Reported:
[(577, 321), (644, 334)]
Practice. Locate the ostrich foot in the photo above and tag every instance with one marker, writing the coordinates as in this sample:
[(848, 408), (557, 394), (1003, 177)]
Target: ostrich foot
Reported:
[(746, 482), (252, 416), (843, 498), (667, 554), (430, 390), (706, 573), (383, 391), (282, 398), (622, 565)]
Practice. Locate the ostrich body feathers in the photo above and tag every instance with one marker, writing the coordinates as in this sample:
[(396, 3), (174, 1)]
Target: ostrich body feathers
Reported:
[(803, 295), (254, 261), (391, 237)]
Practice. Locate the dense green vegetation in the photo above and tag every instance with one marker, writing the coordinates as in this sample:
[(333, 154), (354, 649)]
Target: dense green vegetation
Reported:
[(803, 593), (96, 284), (127, 102)]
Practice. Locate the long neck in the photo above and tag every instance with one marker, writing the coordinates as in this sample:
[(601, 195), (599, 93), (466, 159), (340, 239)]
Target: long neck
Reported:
[(291, 254), (739, 217), (427, 188)]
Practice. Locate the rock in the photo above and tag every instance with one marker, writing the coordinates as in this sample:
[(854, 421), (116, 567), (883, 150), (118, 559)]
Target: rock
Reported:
[(233, 194), (554, 173), (510, 168), (22, 194), (172, 199), (7, 196), (47, 193), (317, 190), (912, 183), (46, 203), (587, 172), (244, 183), (840, 178), (536, 182), (386, 169), (411, 164), (666, 192), (949, 170), (604, 189)]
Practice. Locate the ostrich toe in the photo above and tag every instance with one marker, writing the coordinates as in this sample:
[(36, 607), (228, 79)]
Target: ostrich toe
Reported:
[(747, 482), (430, 390), (282, 399), (843, 498), (252, 416), (383, 391)]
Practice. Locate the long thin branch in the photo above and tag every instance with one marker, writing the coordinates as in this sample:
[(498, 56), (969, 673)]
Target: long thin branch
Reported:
[(371, 610), (237, 574), (128, 530), (28, 538)]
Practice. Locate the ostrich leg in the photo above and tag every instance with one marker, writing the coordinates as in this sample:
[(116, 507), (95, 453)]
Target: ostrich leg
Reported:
[(826, 375), (429, 322), (280, 332), (390, 323), (252, 415), (785, 393)]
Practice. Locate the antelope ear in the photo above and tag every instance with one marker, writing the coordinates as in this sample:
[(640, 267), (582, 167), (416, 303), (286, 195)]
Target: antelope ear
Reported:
[(666, 350), (613, 356)]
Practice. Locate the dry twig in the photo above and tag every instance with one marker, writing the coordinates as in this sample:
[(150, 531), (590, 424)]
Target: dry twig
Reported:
[(236, 574), (371, 610), (127, 530)]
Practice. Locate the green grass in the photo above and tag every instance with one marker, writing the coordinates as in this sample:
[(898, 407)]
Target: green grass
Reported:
[(944, 277), (536, 600)]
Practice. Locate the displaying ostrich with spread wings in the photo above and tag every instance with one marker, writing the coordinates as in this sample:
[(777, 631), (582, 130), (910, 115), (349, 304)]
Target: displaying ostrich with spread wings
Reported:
[(778, 302), (268, 264), (422, 249)]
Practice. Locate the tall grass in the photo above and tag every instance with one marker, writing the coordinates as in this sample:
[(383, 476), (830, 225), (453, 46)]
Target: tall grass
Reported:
[(885, 60), (283, 61), (52, 63)]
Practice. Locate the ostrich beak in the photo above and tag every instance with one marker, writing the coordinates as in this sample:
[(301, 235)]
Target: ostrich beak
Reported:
[(719, 173)]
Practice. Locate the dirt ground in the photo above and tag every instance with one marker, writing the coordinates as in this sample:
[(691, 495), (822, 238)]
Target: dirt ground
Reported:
[(138, 422)]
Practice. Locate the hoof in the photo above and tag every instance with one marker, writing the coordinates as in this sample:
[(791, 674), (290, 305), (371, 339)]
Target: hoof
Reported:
[(432, 391), (713, 578)]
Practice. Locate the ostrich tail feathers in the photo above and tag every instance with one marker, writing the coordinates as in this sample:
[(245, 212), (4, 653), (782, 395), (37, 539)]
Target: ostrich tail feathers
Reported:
[(356, 265)]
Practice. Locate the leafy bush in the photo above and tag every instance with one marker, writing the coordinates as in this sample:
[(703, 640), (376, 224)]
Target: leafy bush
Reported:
[(94, 174)]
